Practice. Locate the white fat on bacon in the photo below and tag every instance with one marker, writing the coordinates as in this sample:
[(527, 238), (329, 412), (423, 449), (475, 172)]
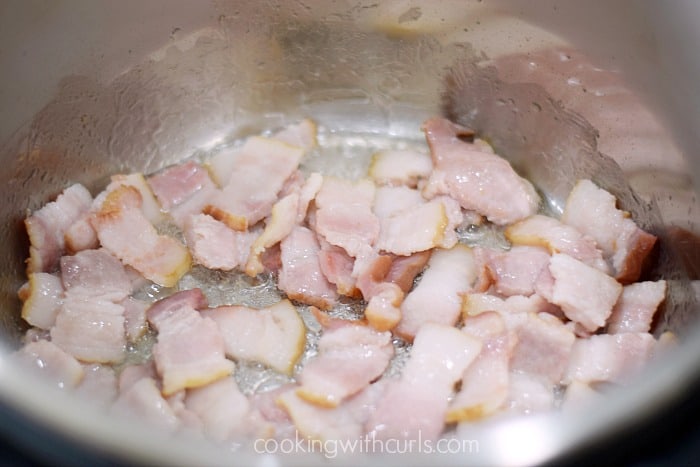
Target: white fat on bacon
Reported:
[(135, 318), (557, 237), (636, 307), (42, 297), (300, 276), (480, 181), (416, 403), (609, 357), (216, 246), (47, 227), (144, 402), (399, 167), (585, 294), (438, 296), (344, 214), (98, 386), (150, 206), (182, 190), (349, 358), (485, 382), (593, 211), (189, 351), (476, 303), (243, 200), (302, 134), (274, 336), (125, 232), (95, 273), (81, 235)]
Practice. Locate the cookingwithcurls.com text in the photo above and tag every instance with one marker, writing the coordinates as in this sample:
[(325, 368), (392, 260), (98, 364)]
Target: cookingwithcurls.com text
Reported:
[(332, 448)]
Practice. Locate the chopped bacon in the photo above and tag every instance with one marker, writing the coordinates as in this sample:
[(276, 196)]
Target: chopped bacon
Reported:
[(42, 296), (132, 374), (243, 200), (301, 277), (557, 237), (302, 134), (48, 359), (485, 382), (135, 318), (609, 357), (438, 296), (143, 401), (162, 309), (543, 349), (383, 298), (47, 226), (636, 306), (280, 223), (190, 348), (344, 214), (593, 211), (585, 294), (399, 167), (307, 193), (350, 357), (480, 181), (528, 394), (404, 269), (91, 329), (415, 404), (514, 272), (81, 235), (182, 190), (99, 385), (274, 335), (126, 233), (476, 303), (421, 227), (214, 245), (221, 407), (149, 206), (95, 273)]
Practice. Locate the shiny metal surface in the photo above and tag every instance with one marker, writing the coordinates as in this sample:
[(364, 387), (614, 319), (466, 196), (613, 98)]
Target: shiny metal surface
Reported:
[(93, 88)]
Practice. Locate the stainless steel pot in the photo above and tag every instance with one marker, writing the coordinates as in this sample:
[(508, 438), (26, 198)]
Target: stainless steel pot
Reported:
[(93, 88)]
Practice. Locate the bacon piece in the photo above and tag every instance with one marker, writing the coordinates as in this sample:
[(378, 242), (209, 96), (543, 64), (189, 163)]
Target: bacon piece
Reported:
[(301, 277), (529, 394), (162, 309), (421, 227), (383, 298), (190, 349), (585, 294), (415, 404), (280, 223), (302, 134), (485, 382), (399, 167), (593, 211), (392, 200), (543, 349), (182, 190), (636, 306), (150, 206), (243, 199), (80, 235), (126, 233), (214, 245), (47, 226), (344, 422), (144, 402), (344, 214), (222, 408), (275, 335), (48, 359), (349, 358), (42, 295), (337, 267), (307, 193), (438, 296), (557, 237), (91, 329), (95, 273), (478, 180), (476, 303), (515, 271), (132, 374), (609, 357)]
